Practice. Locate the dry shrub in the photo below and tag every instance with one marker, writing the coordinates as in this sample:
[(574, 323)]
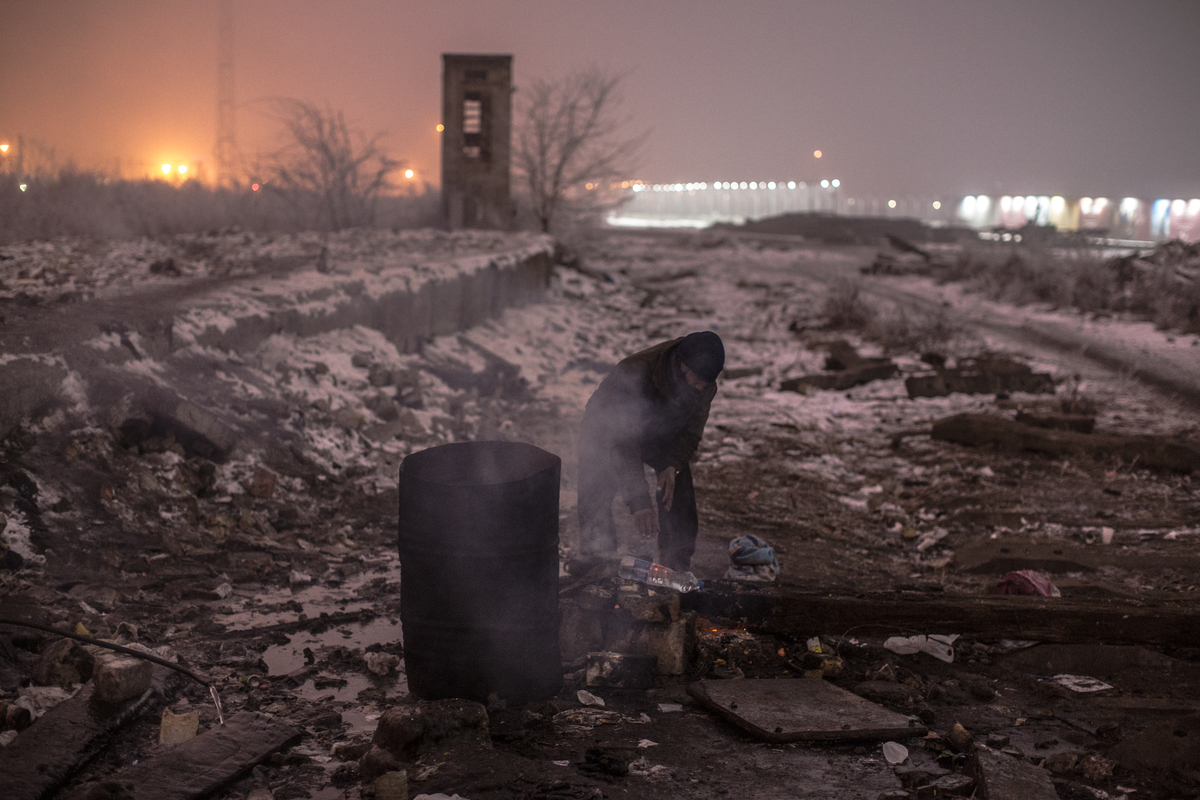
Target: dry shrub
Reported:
[(897, 332), (844, 308)]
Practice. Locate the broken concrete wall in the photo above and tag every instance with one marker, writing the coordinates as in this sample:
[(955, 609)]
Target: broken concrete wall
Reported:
[(408, 302)]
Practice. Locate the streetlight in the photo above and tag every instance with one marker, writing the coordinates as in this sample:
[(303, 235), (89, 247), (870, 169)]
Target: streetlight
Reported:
[(3, 148)]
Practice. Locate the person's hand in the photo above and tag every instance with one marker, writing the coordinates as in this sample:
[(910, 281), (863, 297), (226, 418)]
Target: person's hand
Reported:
[(647, 522), (666, 486)]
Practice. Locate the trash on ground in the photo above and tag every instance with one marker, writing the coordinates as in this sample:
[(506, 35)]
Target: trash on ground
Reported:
[(1027, 582), (586, 698), (1080, 683), (752, 560), (936, 645), (620, 670), (381, 663), (670, 708), (894, 752), (651, 574)]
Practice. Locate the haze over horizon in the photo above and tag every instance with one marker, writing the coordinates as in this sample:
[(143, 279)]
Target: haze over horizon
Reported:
[(1083, 97)]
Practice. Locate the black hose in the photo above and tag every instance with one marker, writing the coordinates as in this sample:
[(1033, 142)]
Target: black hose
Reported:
[(120, 649)]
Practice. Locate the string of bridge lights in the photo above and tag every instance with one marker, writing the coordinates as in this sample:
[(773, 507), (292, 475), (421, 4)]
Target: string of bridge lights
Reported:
[(639, 186)]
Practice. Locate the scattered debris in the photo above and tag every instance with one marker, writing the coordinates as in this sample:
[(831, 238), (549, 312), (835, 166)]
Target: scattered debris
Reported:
[(752, 559), (895, 753), (982, 375), (936, 645), (619, 671), (1164, 452), (1080, 683)]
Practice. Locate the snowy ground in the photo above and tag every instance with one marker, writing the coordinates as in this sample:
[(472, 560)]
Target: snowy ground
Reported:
[(302, 514)]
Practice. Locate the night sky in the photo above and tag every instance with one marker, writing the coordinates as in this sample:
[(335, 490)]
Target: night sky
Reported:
[(1088, 97)]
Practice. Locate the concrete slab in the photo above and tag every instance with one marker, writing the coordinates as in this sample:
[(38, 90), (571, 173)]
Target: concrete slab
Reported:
[(801, 710), (1002, 777), (203, 765)]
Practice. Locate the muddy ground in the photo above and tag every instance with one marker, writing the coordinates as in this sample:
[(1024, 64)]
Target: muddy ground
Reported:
[(274, 571)]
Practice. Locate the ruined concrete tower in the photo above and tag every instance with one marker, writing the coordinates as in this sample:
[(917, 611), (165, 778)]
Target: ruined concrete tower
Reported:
[(476, 142)]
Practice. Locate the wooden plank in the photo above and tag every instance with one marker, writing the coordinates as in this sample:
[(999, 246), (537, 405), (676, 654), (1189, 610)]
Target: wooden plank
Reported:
[(1162, 452), (1002, 777), (204, 765), (62, 741), (1057, 619), (801, 710)]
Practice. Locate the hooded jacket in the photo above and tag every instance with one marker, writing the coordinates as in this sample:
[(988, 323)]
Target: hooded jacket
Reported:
[(644, 412)]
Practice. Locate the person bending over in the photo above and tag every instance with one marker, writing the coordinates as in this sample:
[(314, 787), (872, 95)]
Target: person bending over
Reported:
[(651, 409)]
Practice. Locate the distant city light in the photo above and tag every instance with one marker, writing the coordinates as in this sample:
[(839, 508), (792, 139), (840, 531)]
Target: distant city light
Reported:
[(791, 184), (824, 184), (24, 186), (254, 187), (183, 169), (743, 185), (835, 183), (408, 173), (937, 204), (816, 153), (850, 202), (891, 203), (441, 127), (166, 168), (3, 148), (770, 184)]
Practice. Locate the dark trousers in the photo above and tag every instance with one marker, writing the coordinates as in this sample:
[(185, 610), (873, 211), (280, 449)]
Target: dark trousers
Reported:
[(598, 487)]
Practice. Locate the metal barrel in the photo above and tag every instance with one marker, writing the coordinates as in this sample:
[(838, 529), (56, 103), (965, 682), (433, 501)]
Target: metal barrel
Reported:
[(479, 571)]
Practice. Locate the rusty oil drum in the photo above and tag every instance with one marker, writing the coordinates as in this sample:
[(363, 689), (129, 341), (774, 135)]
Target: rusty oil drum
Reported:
[(479, 571)]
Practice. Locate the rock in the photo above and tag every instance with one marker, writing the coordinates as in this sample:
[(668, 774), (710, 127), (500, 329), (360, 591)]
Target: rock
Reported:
[(405, 730), (178, 728), (120, 677), (1060, 763), (349, 418), (378, 761), (64, 662), (960, 738), (392, 786), (261, 484), (1096, 769)]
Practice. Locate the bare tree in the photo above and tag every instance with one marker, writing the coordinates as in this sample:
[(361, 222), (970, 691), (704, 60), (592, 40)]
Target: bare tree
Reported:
[(571, 144), (324, 169)]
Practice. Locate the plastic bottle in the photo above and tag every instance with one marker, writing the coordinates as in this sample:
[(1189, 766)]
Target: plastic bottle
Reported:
[(651, 574)]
